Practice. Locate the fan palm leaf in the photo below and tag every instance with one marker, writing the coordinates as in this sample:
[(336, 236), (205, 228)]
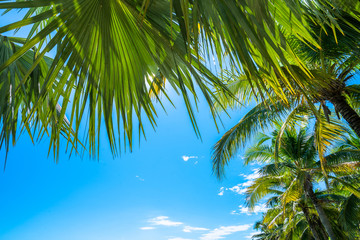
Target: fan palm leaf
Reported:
[(15, 106), (109, 48), (106, 61)]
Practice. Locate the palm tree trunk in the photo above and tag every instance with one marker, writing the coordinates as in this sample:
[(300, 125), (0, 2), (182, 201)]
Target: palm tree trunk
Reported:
[(309, 191), (321, 229), (311, 223), (347, 112)]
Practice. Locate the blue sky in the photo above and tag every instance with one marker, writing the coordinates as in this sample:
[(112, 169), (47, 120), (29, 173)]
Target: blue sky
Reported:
[(163, 190)]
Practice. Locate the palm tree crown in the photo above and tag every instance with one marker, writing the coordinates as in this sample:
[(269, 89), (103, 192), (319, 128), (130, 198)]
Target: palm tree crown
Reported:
[(290, 182)]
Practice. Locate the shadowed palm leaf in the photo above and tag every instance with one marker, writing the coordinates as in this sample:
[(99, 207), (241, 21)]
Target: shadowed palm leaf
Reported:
[(16, 104)]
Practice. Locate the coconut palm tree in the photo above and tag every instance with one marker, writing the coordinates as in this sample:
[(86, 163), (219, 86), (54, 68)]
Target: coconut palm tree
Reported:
[(299, 219), (295, 220), (266, 233), (336, 62), (333, 65), (108, 50), (269, 114), (291, 178)]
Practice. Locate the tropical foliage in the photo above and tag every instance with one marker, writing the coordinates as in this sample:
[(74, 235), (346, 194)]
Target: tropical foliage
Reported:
[(18, 100), (300, 207), (107, 53), (309, 184), (113, 57), (334, 66)]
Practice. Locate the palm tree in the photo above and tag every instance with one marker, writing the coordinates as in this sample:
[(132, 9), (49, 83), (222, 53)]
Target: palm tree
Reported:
[(291, 178), (107, 51), (269, 114), (266, 233), (295, 220), (336, 62), (333, 66)]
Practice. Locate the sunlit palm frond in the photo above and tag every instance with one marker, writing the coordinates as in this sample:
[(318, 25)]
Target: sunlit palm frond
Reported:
[(326, 133), (242, 92), (106, 60), (262, 187), (258, 153), (258, 118)]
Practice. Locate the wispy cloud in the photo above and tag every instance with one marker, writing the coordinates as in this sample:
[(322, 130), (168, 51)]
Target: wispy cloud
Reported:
[(253, 175), (147, 228), (164, 221), (248, 211), (221, 192), (191, 229), (179, 238), (238, 189), (186, 158), (247, 184), (221, 232), (138, 177), (250, 177), (241, 188)]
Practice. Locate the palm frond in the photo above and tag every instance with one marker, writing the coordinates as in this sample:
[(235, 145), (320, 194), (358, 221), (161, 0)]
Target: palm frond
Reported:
[(105, 62), (258, 118)]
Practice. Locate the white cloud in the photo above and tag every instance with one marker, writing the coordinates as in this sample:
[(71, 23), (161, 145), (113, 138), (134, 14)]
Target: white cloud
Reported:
[(178, 238), (234, 212), (221, 232), (164, 221), (252, 234), (147, 228), (221, 192), (248, 211), (247, 184), (186, 158), (190, 229), (238, 189), (138, 177), (241, 188), (252, 176)]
